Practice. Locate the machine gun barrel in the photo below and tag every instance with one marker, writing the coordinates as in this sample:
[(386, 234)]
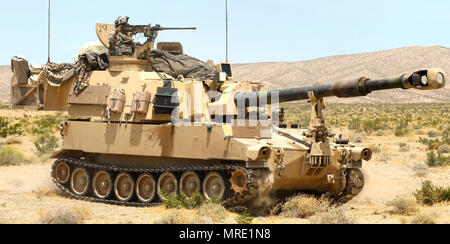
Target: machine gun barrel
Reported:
[(158, 28), (422, 80)]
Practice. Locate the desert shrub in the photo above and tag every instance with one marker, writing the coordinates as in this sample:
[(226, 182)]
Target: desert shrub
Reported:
[(46, 142), (372, 125), (8, 128), (244, 219), (45, 124), (355, 124), (13, 140), (423, 219), (375, 149), (403, 206), (11, 156), (430, 194), (438, 160), (403, 147), (433, 133), (181, 201), (435, 143), (334, 215), (420, 170), (63, 215), (444, 149), (432, 144), (304, 206), (402, 128), (173, 218), (211, 212), (4, 122)]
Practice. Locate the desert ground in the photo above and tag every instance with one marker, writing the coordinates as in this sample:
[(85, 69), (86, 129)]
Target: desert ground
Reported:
[(27, 194)]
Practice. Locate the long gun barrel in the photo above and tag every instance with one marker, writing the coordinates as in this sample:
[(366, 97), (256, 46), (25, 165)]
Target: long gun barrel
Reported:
[(423, 80), (159, 28)]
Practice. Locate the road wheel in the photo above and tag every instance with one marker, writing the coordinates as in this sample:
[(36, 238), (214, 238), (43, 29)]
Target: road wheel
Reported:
[(124, 187), (190, 183), (167, 185), (62, 172), (80, 181), (213, 186), (146, 188), (102, 184)]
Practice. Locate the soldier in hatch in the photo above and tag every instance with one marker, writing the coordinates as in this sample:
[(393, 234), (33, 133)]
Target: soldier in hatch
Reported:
[(120, 44)]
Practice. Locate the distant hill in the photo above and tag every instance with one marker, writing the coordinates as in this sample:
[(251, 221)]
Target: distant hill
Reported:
[(373, 65), (382, 64), (5, 85)]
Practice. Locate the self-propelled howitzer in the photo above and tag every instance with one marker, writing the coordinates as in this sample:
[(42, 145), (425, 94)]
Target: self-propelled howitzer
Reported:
[(137, 134)]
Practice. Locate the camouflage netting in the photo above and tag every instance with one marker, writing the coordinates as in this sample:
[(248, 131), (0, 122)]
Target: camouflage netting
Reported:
[(58, 74), (93, 56), (181, 64)]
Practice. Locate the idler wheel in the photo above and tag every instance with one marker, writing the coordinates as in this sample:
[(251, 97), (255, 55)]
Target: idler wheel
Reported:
[(213, 186), (124, 187), (189, 183), (80, 181), (102, 184), (239, 181), (62, 173), (146, 188), (167, 184)]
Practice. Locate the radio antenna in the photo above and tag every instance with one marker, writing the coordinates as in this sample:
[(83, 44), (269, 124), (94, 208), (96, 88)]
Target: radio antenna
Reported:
[(226, 12), (49, 9)]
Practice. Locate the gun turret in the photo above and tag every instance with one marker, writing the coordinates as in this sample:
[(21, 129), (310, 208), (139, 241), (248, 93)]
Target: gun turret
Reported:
[(422, 80)]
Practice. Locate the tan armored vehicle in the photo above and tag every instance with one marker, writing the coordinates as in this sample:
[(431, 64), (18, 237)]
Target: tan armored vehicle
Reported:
[(138, 134)]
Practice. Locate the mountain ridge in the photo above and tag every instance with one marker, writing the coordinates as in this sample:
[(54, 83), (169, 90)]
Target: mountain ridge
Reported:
[(374, 65)]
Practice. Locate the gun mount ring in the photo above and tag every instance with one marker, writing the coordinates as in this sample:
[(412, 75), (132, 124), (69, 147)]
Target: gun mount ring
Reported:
[(239, 181)]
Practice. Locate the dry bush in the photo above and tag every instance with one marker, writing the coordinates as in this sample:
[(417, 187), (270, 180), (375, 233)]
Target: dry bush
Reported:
[(61, 215), (211, 212), (420, 170), (304, 206), (11, 156), (444, 149), (13, 140), (403, 147), (423, 219), (48, 191), (334, 215), (403, 206), (173, 218)]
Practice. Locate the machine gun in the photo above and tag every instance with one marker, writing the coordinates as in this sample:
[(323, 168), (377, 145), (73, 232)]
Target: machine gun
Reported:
[(149, 31)]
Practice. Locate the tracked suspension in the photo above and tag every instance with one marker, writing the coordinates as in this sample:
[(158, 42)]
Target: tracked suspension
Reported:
[(78, 166)]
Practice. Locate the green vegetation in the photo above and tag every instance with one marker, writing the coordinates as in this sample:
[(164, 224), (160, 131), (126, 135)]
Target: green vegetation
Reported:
[(181, 201), (10, 156), (430, 194), (399, 119), (244, 219), (46, 143), (8, 127), (438, 160)]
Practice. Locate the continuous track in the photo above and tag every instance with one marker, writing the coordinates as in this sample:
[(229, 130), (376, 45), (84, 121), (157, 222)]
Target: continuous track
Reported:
[(224, 169)]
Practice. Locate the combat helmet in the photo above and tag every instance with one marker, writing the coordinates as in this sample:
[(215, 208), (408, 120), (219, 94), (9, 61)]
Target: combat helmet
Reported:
[(121, 21)]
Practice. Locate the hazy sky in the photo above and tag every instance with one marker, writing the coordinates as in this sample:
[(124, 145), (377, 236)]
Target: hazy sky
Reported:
[(260, 30)]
